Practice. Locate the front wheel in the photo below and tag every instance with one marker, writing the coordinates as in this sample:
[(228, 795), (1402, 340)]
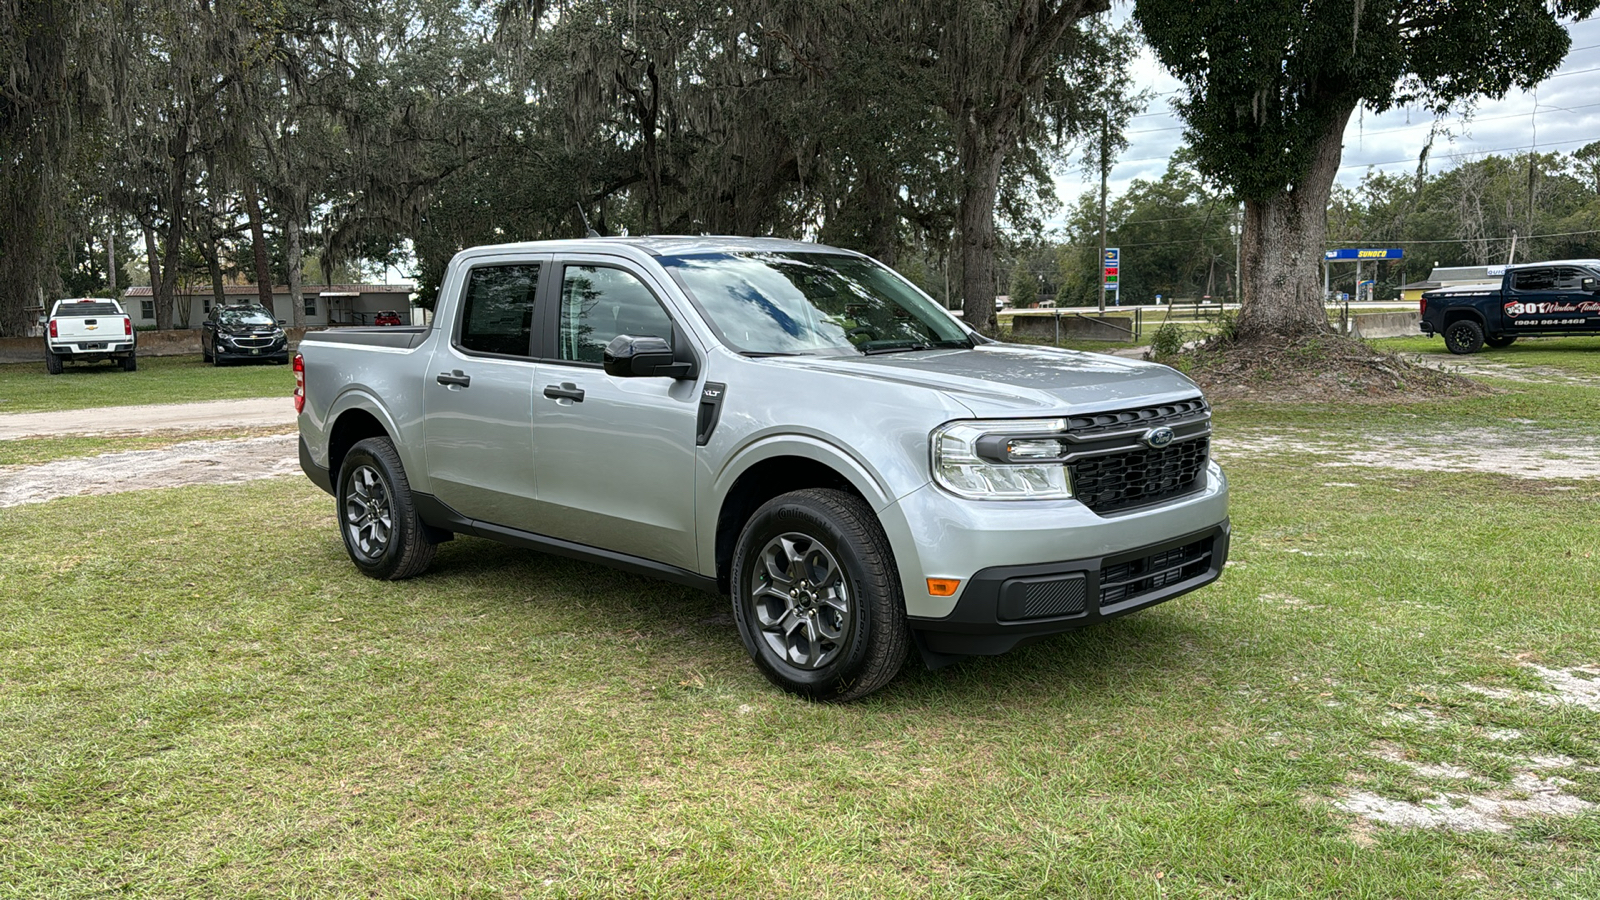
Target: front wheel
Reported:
[(382, 532), (1464, 336), (817, 597), (1500, 341)]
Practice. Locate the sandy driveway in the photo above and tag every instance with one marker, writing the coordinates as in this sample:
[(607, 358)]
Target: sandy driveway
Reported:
[(211, 414), (190, 462)]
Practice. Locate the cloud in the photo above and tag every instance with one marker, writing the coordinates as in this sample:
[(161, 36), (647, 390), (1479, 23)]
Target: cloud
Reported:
[(1562, 114)]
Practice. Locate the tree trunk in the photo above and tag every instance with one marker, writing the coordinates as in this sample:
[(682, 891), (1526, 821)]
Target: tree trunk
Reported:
[(982, 161), (297, 306), (219, 294), (163, 301), (1282, 246), (258, 241)]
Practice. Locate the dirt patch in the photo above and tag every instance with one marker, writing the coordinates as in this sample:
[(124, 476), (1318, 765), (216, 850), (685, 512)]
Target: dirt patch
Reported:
[(1528, 795), (1519, 452), (1532, 791), (1510, 372), (1315, 369), (191, 462)]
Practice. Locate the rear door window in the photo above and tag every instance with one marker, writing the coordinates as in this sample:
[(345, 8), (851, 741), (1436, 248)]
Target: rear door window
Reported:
[(1534, 280), (497, 312)]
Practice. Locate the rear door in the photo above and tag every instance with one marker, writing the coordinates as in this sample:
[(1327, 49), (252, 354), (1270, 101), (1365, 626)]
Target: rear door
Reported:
[(1536, 301), (615, 456), (477, 390)]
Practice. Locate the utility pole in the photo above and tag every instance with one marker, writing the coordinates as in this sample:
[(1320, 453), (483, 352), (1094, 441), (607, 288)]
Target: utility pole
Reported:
[(1105, 175)]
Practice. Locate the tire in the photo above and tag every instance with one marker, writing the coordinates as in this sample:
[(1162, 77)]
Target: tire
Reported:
[(1463, 336), (216, 361), (130, 363), (52, 362), (846, 634), (377, 518), (205, 355), (1500, 341)]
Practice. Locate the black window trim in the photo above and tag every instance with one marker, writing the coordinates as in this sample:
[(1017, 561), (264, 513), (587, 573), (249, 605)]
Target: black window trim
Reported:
[(550, 351), (540, 291)]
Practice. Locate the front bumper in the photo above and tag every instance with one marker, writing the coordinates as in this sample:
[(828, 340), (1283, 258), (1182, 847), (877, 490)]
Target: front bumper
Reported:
[(278, 351), (938, 535), (1005, 606)]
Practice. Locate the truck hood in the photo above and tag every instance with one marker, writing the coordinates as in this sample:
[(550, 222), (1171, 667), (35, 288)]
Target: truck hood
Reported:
[(1016, 379)]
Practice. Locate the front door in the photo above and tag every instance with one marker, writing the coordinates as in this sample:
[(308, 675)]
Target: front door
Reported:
[(479, 429), (615, 456)]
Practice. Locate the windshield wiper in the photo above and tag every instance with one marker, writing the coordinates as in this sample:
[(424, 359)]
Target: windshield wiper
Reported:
[(907, 346), (903, 347)]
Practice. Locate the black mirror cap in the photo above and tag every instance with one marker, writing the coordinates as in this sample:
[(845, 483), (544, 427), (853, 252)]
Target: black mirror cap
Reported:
[(644, 356), (1589, 284)]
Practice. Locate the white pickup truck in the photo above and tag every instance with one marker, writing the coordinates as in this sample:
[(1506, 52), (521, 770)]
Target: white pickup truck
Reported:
[(89, 329)]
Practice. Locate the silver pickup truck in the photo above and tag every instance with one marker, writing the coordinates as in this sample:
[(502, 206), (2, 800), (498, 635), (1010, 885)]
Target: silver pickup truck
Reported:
[(793, 425)]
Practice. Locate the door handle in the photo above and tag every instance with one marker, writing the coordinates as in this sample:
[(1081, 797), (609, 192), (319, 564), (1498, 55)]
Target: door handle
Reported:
[(458, 378), (566, 391)]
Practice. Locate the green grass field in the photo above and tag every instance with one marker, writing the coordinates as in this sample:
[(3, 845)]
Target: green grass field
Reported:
[(24, 387), (199, 697)]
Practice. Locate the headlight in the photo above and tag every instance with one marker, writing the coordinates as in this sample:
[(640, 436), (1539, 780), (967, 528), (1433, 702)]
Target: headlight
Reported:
[(1002, 460)]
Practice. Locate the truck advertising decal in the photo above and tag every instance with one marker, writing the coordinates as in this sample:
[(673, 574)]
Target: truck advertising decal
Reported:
[(1516, 310)]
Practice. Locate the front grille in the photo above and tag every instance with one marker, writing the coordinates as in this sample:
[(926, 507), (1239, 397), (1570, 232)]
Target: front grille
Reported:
[(1129, 580), (247, 343), (1139, 477), (1092, 424)]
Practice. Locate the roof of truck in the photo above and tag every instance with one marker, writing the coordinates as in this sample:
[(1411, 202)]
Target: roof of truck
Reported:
[(673, 245)]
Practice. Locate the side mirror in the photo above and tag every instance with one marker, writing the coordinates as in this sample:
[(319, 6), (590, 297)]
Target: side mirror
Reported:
[(644, 356), (1589, 285), (283, 322)]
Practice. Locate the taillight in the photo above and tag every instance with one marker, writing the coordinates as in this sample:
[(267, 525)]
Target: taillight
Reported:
[(127, 326), (299, 384), (1422, 306), (53, 332)]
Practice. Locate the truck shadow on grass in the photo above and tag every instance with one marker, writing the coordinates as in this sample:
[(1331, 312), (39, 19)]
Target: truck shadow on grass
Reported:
[(683, 628)]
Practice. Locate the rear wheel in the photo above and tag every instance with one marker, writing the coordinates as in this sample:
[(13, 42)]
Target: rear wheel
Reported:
[(52, 362), (378, 520), (130, 363), (1500, 341), (817, 597), (1463, 336)]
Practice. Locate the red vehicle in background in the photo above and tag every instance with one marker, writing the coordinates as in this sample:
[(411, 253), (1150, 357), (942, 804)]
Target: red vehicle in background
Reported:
[(387, 317)]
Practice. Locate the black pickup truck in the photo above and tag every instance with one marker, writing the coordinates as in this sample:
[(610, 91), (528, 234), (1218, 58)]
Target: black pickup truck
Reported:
[(1560, 297)]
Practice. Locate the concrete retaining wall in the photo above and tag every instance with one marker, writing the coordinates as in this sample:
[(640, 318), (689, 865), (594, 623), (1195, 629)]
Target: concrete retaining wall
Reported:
[(151, 343), (1385, 324), (1074, 326)]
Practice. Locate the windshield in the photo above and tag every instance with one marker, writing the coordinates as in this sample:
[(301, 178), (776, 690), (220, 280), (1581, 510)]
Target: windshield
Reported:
[(812, 303), (241, 318)]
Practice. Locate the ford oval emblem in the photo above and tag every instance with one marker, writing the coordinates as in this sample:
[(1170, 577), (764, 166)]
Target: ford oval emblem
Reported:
[(1156, 438)]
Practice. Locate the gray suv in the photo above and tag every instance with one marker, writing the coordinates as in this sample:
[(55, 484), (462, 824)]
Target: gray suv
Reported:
[(790, 424)]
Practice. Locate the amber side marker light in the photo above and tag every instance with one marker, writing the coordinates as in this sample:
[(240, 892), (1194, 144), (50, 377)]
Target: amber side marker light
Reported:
[(943, 587)]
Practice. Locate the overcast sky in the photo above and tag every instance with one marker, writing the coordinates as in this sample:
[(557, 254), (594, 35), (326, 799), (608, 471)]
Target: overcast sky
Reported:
[(1563, 114)]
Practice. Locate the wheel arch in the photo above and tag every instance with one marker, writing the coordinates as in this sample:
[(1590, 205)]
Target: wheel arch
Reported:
[(357, 422), (1469, 313), (775, 468)]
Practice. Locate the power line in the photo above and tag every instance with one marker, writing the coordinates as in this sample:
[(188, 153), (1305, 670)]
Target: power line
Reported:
[(1464, 153), (1523, 237)]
